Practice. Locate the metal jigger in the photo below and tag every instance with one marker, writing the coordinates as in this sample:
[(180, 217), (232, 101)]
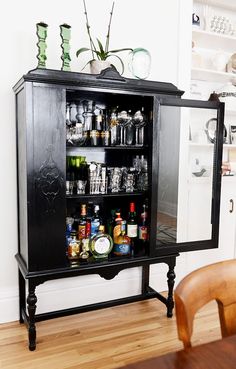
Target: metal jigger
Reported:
[(65, 32), (42, 35)]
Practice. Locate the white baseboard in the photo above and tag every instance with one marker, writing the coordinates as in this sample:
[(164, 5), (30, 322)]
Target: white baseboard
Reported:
[(72, 292)]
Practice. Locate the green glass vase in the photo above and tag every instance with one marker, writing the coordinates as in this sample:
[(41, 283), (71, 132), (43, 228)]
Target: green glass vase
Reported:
[(65, 33), (42, 35)]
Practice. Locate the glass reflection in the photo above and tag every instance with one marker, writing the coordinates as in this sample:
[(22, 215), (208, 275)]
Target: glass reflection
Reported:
[(185, 175)]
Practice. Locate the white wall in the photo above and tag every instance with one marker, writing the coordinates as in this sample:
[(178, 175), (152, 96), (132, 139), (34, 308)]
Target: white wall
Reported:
[(152, 24)]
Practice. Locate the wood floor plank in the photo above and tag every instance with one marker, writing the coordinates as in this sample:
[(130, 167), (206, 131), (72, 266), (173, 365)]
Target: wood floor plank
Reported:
[(103, 339)]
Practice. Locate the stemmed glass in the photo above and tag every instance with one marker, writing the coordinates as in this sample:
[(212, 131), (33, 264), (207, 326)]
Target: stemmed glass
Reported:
[(139, 123), (122, 118)]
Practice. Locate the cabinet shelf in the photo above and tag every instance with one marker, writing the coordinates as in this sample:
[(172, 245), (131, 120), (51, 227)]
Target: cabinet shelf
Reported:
[(199, 144), (116, 194), (213, 40), (210, 75), (211, 145), (109, 148)]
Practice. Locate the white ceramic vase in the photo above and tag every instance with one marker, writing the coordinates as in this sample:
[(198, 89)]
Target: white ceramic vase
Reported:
[(96, 66)]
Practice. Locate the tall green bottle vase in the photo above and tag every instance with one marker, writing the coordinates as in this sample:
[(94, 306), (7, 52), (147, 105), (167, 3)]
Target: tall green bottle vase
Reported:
[(65, 33), (42, 35)]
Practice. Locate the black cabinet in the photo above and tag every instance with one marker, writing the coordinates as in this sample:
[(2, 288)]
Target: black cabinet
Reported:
[(43, 202)]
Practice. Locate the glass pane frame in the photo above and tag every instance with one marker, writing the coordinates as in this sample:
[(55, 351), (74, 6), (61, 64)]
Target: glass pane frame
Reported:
[(216, 179)]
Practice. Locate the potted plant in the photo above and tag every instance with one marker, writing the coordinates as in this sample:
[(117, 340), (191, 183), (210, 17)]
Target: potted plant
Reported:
[(100, 53)]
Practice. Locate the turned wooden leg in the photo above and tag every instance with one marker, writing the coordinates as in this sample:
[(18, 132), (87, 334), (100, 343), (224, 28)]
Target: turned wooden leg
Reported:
[(171, 282), (31, 301), (21, 281)]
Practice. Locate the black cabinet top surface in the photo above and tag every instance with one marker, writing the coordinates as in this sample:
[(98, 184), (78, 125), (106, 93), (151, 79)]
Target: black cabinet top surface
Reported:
[(109, 79)]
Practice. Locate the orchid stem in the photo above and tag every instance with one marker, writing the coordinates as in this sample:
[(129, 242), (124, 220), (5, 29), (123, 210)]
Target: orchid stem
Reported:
[(109, 28), (88, 30)]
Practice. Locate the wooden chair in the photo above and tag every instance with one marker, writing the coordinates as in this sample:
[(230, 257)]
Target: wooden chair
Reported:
[(212, 282)]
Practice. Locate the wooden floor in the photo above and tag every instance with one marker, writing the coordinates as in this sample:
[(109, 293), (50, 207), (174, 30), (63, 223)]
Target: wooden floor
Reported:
[(104, 339)]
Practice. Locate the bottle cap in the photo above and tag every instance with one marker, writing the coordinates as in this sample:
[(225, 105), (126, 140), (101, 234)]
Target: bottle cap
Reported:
[(132, 207), (101, 228)]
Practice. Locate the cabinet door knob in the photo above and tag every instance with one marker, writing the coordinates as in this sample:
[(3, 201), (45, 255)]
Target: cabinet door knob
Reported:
[(232, 205)]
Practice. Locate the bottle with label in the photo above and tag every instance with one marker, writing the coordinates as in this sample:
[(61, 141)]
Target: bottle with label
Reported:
[(73, 247), (132, 226), (122, 244), (96, 220), (82, 223), (117, 226), (101, 244), (84, 254), (143, 234)]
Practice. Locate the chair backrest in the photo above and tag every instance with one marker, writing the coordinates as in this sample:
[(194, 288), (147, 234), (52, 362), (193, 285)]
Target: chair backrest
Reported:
[(213, 282)]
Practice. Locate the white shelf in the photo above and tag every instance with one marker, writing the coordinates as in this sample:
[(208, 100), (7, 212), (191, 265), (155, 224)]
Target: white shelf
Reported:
[(225, 4), (210, 75), (210, 145), (229, 146), (214, 41), (199, 144)]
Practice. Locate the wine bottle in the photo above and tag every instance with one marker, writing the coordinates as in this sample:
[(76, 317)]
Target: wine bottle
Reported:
[(143, 226), (132, 226)]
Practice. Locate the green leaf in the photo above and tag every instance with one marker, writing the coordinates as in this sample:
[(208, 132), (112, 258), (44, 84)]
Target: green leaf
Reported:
[(82, 50), (100, 46), (102, 53), (122, 64), (118, 50), (88, 63)]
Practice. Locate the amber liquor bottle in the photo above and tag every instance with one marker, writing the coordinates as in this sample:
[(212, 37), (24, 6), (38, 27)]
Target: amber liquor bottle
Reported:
[(82, 223)]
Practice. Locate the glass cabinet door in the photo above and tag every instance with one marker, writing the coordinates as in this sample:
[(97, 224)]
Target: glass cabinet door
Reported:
[(190, 135)]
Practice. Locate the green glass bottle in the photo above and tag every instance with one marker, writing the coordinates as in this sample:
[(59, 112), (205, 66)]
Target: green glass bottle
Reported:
[(101, 244)]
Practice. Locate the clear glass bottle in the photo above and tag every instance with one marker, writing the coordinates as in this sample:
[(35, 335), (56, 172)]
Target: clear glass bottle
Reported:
[(101, 244)]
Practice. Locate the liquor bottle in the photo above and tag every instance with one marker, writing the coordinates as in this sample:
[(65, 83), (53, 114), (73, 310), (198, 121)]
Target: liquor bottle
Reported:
[(69, 229), (73, 248), (111, 222), (143, 225), (122, 244), (101, 244), (84, 254), (82, 223), (117, 226), (96, 220), (132, 226)]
